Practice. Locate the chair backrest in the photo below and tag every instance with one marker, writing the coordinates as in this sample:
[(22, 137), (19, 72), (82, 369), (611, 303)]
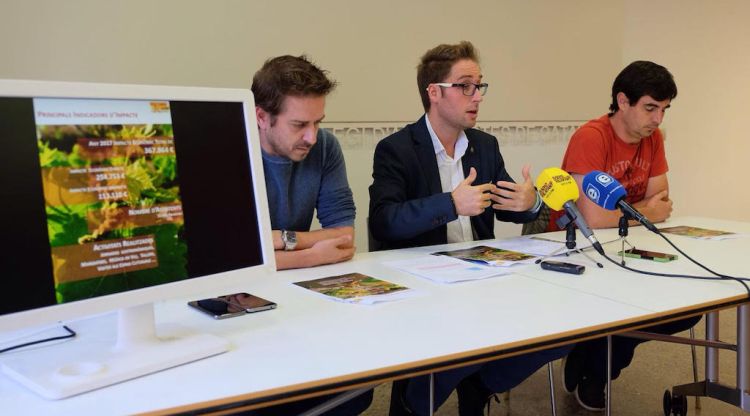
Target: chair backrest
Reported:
[(372, 243), (539, 225)]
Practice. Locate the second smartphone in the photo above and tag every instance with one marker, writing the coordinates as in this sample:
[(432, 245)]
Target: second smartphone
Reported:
[(236, 304)]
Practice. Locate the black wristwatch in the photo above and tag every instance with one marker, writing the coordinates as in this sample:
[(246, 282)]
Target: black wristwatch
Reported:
[(289, 238)]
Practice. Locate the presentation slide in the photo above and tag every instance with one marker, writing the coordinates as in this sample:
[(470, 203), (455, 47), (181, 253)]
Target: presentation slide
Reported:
[(112, 195)]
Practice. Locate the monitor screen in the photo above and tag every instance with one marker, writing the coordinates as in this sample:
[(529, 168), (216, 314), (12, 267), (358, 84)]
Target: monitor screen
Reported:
[(112, 194)]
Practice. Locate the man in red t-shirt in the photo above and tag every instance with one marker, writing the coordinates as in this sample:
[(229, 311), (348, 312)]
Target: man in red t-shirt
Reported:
[(627, 144)]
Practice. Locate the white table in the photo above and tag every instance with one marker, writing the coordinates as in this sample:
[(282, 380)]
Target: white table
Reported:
[(311, 345), (671, 298)]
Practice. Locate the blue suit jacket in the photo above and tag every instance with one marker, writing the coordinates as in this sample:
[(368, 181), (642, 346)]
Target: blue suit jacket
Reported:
[(408, 207)]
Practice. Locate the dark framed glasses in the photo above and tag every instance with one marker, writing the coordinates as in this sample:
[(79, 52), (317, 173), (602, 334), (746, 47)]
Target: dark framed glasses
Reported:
[(467, 88)]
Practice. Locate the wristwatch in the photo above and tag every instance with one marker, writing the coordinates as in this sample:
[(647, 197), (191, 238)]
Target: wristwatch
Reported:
[(290, 239)]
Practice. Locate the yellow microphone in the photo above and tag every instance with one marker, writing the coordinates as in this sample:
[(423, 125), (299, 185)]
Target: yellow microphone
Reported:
[(556, 187), (559, 191)]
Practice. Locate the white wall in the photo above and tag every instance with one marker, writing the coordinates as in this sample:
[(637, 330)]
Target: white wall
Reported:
[(539, 56), (545, 60), (706, 45)]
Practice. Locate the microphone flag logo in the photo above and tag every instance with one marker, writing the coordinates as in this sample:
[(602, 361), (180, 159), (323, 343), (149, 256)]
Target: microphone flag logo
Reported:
[(604, 179), (592, 193)]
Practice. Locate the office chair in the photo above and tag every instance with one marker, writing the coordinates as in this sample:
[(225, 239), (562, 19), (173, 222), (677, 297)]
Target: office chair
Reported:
[(539, 225), (372, 243)]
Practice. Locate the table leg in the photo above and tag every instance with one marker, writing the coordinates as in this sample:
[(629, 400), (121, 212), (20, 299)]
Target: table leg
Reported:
[(432, 393), (608, 394), (552, 388)]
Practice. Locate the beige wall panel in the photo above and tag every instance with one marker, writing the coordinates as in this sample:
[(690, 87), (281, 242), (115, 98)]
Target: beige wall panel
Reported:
[(545, 60), (706, 45)]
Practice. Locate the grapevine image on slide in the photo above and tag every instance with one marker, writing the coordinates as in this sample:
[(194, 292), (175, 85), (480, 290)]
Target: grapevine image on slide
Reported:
[(112, 200)]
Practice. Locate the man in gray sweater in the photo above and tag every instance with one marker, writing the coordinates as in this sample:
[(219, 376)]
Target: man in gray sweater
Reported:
[(304, 166), (305, 172)]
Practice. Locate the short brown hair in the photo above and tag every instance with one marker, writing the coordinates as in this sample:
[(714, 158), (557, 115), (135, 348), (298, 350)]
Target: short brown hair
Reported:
[(288, 75), (436, 64)]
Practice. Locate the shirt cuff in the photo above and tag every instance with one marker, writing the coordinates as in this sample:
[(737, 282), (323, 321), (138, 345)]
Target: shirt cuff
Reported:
[(537, 204)]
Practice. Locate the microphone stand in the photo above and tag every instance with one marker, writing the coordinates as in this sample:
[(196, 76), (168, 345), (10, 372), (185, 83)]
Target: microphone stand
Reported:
[(566, 222), (623, 232)]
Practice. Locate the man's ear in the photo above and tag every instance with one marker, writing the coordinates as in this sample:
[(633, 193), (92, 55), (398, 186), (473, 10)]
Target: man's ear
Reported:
[(622, 100), (434, 92), (264, 119)]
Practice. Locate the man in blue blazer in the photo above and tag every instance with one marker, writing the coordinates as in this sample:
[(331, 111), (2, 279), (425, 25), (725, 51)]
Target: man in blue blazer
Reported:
[(440, 181), (435, 179), (408, 207)]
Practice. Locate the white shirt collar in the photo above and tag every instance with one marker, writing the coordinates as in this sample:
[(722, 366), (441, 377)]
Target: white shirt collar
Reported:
[(462, 143)]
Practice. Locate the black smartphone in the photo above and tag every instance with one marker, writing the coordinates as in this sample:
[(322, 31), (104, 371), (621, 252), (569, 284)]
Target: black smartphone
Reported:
[(561, 266), (228, 306), (649, 255)]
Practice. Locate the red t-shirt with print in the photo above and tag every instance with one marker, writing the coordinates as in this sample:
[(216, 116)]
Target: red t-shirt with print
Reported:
[(594, 146)]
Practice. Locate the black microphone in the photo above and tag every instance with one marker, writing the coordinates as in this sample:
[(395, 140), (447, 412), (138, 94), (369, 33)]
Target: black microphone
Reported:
[(608, 193)]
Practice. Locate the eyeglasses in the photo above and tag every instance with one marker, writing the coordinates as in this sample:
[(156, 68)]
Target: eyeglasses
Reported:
[(467, 87)]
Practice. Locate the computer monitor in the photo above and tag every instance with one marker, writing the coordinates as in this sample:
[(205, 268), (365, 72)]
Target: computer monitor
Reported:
[(113, 197)]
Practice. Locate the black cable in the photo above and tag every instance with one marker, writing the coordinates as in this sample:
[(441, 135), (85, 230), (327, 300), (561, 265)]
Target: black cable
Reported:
[(740, 280), (70, 334), (696, 262), (683, 276)]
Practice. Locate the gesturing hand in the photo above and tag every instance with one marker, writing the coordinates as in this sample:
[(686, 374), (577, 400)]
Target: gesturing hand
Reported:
[(516, 197), (472, 200)]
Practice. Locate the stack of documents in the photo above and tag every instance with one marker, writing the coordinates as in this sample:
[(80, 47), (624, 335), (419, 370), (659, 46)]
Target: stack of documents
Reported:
[(480, 262)]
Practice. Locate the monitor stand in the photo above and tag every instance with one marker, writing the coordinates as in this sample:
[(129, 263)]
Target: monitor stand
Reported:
[(75, 367)]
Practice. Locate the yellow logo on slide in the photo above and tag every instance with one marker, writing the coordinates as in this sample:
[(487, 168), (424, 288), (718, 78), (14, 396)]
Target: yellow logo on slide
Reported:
[(159, 106)]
